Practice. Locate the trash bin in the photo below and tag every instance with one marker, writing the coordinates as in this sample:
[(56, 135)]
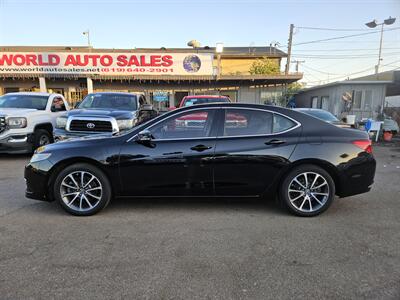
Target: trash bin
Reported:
[(387, 136)]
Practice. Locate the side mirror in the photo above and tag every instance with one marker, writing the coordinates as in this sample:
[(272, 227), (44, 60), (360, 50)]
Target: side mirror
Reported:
[(146, 107), (172, 108), (144, 137)]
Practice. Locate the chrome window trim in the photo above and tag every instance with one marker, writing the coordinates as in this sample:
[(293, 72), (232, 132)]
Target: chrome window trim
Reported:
[(113, 122), (298, 124)]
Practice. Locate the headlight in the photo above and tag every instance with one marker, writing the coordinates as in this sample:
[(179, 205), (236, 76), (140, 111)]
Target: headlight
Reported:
[(61, 122), (126, 124), (39, 157), (16, 122)]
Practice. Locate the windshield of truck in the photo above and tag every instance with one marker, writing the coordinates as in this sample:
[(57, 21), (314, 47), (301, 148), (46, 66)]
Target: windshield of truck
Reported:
[(194, 101), (24, 101), (109, 101)]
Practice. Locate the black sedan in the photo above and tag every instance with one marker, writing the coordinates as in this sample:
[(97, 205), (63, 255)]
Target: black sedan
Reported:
[(212, 150)]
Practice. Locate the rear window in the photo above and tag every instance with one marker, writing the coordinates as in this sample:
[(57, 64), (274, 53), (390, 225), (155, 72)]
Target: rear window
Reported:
[(321, 114), (194, 101)]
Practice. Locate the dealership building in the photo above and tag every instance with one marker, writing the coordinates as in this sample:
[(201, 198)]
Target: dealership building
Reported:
[(164, 75)]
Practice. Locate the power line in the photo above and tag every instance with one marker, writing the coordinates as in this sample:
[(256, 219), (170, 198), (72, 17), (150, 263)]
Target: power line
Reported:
[(346, 50), (345, 36), (355, 56), (322, 72), (358, 72), (331, 29)]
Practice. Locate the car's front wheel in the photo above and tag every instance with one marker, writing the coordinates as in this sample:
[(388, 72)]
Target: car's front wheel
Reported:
[(82, 189), (307, 190)]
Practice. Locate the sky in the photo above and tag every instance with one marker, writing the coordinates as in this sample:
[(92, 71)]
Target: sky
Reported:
[(172, 23)]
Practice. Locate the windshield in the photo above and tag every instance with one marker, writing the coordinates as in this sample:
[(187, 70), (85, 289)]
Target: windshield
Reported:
[(193, 101), (110, 101), (321, 114), (24, 101)]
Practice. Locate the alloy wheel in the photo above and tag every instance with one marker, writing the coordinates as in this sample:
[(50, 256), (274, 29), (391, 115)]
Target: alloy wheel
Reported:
[(81, 191), (308, 192)]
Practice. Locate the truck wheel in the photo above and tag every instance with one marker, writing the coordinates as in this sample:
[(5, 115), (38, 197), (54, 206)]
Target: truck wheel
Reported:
[(41, 137)]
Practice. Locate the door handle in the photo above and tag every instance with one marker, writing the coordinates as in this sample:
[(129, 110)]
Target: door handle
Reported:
[(274, 142), (200, 148)]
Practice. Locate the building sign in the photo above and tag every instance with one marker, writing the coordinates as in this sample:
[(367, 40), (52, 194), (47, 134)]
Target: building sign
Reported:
[(160, 96), (118, 64)]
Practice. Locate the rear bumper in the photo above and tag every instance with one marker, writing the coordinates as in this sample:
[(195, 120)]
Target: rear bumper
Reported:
[(357, 176)]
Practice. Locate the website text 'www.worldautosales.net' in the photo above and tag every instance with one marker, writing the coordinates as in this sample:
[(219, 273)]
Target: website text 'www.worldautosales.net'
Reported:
[(89, 70)]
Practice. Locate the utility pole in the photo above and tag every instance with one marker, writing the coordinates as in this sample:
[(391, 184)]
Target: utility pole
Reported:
[(289, 52), (298, 62)]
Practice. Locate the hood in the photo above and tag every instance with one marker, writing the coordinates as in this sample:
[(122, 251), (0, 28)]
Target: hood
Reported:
[(117, 114), (18, 112)]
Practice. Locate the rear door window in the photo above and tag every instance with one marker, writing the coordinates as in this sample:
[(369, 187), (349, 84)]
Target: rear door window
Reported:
[(242, 122)]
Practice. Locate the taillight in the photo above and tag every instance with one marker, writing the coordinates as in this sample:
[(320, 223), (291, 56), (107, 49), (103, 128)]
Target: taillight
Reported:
[(365, 145)]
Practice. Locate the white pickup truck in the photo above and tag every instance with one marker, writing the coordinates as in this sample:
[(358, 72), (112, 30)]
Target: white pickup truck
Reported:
[(27, 120)]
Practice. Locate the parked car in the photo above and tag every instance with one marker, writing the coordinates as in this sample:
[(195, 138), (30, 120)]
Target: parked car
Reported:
[(324, 116), (27, 120), (104, 113), (278, 151), (201, 99)]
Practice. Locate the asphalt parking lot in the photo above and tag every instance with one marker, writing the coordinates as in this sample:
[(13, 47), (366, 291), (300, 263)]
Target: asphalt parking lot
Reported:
[(201, 249)]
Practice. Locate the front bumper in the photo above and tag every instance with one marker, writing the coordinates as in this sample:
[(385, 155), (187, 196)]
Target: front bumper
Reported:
[(37, 180), (16, 143)]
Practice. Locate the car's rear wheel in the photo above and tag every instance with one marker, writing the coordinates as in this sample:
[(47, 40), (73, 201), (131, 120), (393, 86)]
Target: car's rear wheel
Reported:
[(82, 189), (307, 190)]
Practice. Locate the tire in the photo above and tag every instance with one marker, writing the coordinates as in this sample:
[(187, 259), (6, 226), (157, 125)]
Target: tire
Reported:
[(41, 137), (311, 199), (71, 194)]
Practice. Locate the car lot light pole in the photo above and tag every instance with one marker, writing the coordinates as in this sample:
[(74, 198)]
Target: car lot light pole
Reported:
[(374, 24), (87, 33)]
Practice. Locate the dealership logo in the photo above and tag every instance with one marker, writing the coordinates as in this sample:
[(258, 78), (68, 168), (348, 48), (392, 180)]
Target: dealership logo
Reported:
[(192, 63), (90, 125)]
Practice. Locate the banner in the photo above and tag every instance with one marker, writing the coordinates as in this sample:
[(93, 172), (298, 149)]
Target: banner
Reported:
[(119, 64)]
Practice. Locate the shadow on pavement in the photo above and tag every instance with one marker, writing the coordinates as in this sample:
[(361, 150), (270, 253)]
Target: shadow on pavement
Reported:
[(157, 205)]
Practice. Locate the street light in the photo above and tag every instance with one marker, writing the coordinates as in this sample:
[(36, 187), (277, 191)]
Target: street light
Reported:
[(88, 37), (374, 24), (219, 49)]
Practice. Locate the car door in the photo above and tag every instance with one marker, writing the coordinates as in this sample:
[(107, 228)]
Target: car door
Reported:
[(251, 149), (177, 161)]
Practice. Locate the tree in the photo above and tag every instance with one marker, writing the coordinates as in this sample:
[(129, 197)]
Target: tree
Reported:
[(264, 66), (294, 88)]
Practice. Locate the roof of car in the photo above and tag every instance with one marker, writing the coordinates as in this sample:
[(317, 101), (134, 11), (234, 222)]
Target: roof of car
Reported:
[(206, 96), (121, 93), (32, 93)]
